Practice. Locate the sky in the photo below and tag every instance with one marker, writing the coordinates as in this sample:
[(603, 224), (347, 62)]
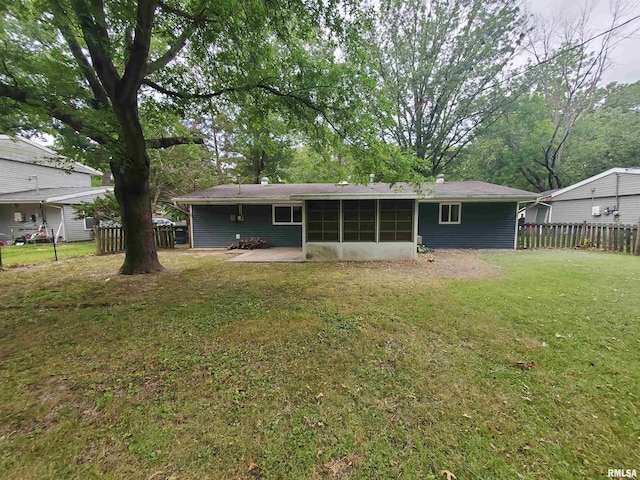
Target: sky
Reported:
[(625, 58)]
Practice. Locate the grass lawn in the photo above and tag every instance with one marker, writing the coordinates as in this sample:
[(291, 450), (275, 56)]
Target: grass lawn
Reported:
[(43, 252), (372, 370)]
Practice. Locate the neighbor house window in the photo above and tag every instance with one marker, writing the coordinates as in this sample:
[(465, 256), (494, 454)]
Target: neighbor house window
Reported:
[(287, 215), (396, 220), (323, 220), (450, 213), (89, 223), (359, 221)]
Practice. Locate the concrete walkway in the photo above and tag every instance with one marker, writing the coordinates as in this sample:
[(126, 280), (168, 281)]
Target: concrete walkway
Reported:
[(269, 255)]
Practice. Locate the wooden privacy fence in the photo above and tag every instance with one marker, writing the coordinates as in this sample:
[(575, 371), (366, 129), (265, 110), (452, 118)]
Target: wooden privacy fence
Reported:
[(111, 239), (612, 237)]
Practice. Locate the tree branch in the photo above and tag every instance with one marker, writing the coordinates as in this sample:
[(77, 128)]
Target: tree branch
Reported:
[(76, 50), (170, 54), (94, 31), (137, 61), (66, 115), (167, 142)]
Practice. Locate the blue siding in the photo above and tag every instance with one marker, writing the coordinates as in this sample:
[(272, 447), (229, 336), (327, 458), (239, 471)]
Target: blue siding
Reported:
[(212, 227), (484, 225)]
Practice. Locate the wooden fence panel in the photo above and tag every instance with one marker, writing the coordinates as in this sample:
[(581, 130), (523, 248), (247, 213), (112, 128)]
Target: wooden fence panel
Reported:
[(610, 237), (111, 239)]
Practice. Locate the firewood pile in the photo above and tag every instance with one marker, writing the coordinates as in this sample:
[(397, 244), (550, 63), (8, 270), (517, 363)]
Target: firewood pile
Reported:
[(248, 244)]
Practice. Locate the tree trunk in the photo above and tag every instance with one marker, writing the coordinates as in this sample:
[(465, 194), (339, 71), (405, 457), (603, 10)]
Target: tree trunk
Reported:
[(131, 177)]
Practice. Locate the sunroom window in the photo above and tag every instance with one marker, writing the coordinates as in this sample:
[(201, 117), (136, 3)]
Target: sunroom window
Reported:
[(396, 220), (323, 220), (359, 221)]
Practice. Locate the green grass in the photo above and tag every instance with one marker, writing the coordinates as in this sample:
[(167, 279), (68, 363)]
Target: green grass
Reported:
[(43, 252), (372, 370)]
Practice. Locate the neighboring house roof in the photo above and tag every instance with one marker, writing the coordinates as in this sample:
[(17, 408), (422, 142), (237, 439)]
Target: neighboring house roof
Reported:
[(64, 195), (256, 193), (23, 150), (554, 193)]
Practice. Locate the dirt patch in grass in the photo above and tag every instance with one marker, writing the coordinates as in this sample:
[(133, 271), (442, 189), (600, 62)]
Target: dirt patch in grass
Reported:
[(435, 266)]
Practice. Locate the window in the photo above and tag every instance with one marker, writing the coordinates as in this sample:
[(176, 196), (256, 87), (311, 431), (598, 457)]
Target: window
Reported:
[(89, 223), (396, 220), (287, 215), (322, 220), (450, 213), (359, 221)]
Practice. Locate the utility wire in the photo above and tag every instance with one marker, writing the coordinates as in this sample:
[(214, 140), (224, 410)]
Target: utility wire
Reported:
[(570, 49)]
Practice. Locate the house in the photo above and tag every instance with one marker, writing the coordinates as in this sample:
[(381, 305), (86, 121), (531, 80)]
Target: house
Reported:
[(357, 222), (39, 188), (609, 197)]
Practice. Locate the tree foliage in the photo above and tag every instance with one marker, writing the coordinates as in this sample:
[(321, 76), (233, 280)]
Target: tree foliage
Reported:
[(441, 65), (105, 74)]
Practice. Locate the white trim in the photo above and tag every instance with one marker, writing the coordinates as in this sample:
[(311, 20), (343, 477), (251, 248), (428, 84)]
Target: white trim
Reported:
[(440, 222), (631, 171), (191, 239), (235, 201), (415, 227), (497, 198), (79, 194), (304, 230), (84, 220), (354, 196), (273, 214), (515, 237)]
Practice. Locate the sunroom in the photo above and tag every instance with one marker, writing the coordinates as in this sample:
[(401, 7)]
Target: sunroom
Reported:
[(359, 227)]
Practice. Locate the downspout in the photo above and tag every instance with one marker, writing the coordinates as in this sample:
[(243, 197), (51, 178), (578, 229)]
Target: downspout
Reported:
[(62, 225)]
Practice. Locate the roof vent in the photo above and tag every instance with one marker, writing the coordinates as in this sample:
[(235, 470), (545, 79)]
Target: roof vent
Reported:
[(440, 178), (343, 183), (264, 181), (371, 178)]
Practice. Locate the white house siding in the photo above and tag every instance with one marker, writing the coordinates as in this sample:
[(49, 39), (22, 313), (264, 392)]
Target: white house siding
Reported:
[(14, 177), (74, 228), (576, 211), (629, 184)]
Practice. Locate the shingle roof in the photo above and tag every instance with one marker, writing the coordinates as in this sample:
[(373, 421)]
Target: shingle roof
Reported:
[(289, 191), (67, 195), (26, 151)]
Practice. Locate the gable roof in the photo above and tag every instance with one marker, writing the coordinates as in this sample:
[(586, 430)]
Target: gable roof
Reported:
[(256, 193), (19, 149), (554, 193), (63, 195)]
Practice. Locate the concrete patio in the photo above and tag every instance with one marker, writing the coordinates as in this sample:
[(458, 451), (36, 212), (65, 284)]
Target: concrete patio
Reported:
[(270, 255)]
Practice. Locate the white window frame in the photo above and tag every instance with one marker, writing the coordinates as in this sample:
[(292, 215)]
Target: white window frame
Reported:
[(273, 214), (85, 222), (459, 204)]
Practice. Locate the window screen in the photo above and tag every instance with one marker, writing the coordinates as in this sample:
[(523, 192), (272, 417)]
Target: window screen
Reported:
[(396, 220), (322, 220), (359, 221)]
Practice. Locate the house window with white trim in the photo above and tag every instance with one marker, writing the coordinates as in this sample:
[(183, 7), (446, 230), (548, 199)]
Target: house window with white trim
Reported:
[(450, 213), (287, 215), (89, 223)]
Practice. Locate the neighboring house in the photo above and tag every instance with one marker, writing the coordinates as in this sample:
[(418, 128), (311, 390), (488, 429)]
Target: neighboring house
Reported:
[(39, 188), (357, 222), (609, 197)]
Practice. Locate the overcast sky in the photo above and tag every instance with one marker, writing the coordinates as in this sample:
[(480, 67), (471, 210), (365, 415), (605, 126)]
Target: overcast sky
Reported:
[(625, 57)]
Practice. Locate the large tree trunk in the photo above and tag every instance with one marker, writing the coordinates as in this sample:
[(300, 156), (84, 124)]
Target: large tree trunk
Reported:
[(131, 177)]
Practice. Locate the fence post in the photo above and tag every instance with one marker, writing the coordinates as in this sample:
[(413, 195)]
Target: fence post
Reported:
[(636, 250)]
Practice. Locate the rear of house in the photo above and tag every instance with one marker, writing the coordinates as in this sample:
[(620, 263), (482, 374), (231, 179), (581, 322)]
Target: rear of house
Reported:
[(357, 222), (39, 188)]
